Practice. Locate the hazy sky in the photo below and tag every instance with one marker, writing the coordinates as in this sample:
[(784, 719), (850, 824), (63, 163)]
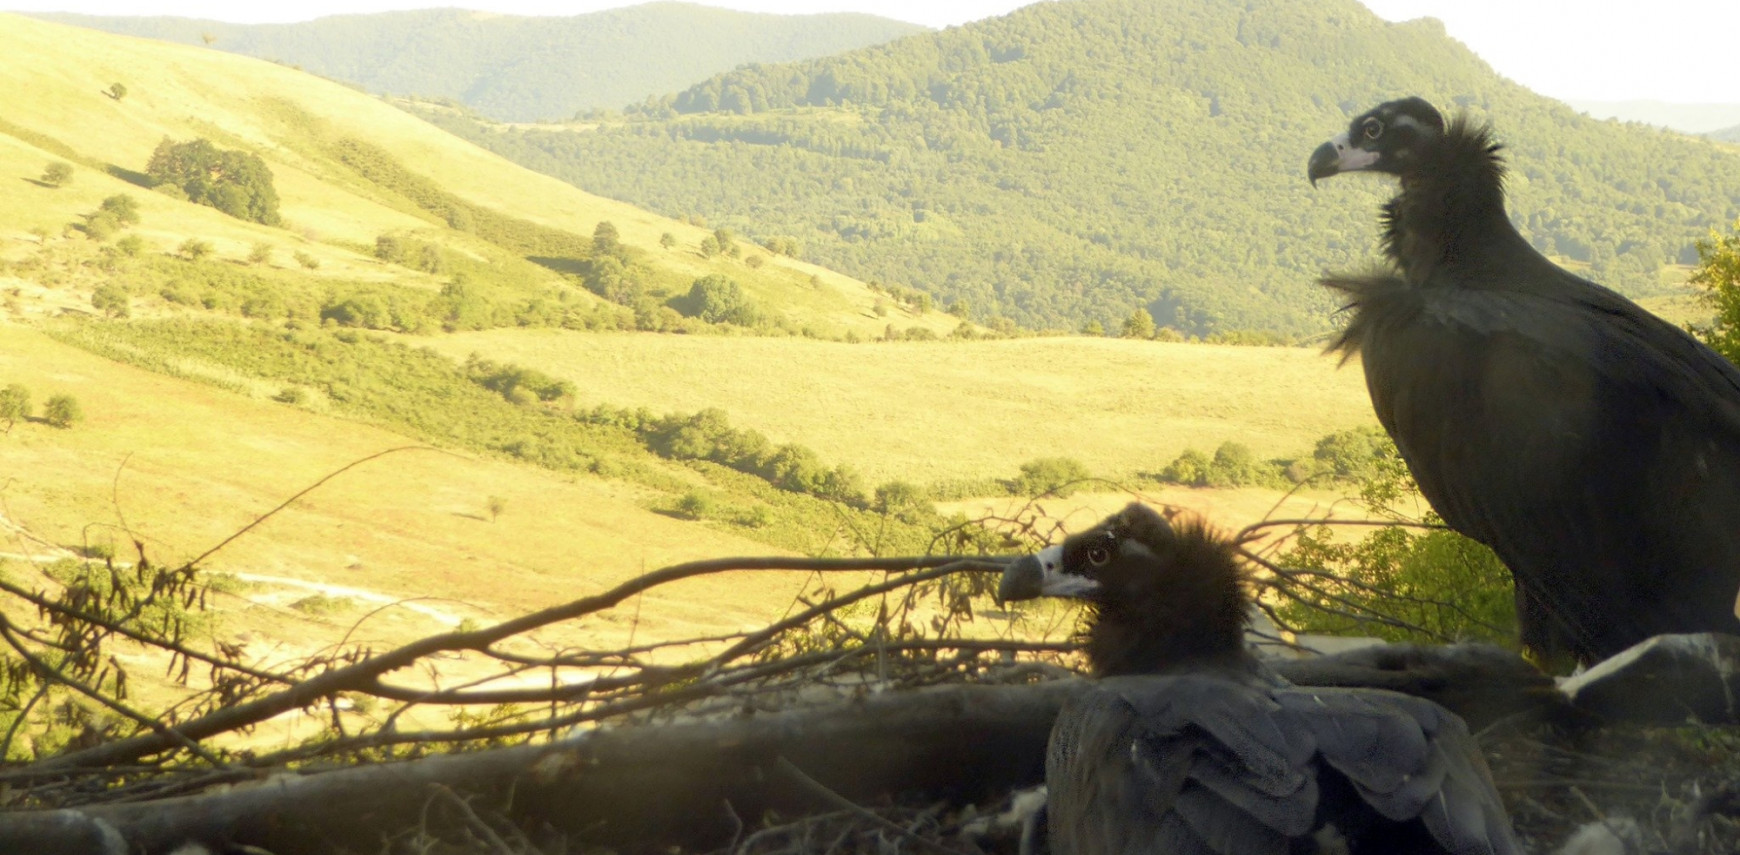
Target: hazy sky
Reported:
[(1668, 50)]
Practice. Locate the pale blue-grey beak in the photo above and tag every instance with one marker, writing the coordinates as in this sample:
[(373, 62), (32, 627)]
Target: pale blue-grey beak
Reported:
[(1041, 575)]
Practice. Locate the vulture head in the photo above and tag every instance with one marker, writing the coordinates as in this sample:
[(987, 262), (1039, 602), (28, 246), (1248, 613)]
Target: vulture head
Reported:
[(1162, 597), (1388, 138)]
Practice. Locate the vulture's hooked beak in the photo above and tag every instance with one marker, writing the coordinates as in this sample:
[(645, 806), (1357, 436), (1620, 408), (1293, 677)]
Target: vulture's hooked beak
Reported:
[(1041, 575), (1338, 156)]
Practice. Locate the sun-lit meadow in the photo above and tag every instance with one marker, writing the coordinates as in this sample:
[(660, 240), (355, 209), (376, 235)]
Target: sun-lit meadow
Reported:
[(927, 411)]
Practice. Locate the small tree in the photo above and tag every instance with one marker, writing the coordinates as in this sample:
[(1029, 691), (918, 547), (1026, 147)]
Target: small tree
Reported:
[(117, 91), (14, 405), (194, 249), (1718, 274), (111, 299), (720, 300), (62, 411), (496, 505), (1059, 476), (57, 174), (1139, 324), (307, 261), (754, 261), (124, 208), (667, 240), (260, 254), (390, 249), (605, 238), (131, 245)]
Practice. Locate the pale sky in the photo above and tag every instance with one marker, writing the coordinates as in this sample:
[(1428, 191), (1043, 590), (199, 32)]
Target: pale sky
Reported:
[(1685, 51)]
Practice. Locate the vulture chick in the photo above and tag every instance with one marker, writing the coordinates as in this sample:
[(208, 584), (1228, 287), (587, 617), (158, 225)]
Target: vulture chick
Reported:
[(1594, 447), (1185, 744)]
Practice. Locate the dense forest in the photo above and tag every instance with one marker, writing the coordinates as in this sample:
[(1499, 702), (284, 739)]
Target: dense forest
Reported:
[(1072, 161), (525, 68)]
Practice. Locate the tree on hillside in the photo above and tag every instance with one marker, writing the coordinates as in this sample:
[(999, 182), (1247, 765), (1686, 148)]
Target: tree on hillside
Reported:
[(667, 240), (1139, 324), (1718, 274), (235, 182), (194, 249), (605, 239), (124, 208), (112, 299), (62, 411), (719, 299), (116, 91), (57, 174), (1057, 476), (14, 404)]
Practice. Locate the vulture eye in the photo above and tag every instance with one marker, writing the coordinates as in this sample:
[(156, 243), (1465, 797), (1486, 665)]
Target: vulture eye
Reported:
[(1372, 128), (1098, 555)]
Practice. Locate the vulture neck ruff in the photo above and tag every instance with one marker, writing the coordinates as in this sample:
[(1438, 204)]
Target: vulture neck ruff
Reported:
[(1450, 214), (1177, 603)]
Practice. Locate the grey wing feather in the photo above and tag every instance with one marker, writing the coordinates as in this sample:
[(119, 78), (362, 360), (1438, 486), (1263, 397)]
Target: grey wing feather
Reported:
[(1207, 764)]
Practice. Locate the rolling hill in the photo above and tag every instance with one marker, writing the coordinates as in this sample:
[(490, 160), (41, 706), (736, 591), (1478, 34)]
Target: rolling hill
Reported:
[(1073, 161), (525, 68), (350, 171)]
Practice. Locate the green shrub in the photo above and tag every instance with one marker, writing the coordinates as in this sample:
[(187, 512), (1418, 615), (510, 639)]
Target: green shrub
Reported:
[(1056, 476), (57, 174), (124, 208), (718, 299), (194, 249), (62, 411), (112, 299), (14, 404)]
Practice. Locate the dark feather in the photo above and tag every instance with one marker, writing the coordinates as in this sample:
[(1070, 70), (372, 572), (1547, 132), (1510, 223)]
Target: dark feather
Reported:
[(1593, 446), (1190, 745)]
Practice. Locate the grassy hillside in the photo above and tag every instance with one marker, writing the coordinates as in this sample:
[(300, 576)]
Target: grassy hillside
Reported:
[(525, 68), (182, 465), (1073, 161), (350, 170), (925, 412)]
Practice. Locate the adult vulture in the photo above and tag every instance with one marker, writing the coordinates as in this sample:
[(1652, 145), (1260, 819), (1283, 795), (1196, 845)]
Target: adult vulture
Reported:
[(1593, 446), (1186, 745)]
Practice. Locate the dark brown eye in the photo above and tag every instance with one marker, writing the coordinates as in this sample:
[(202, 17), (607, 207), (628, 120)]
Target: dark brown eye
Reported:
[(1098, 555), (1372, 129)]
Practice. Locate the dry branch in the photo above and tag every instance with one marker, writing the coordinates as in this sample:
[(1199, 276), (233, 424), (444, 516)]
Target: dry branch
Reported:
[(645, 787)]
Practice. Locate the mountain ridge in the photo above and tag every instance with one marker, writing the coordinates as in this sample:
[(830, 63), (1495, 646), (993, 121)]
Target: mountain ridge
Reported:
[(522, 68), (1070, 162)]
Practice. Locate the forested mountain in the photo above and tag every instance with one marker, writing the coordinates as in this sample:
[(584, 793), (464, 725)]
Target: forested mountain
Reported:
[(526, 68), (1072, 161), (1726, 134)]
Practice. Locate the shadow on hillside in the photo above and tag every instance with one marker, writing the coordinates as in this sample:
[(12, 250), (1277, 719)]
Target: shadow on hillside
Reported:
[(136, 178), (570, 266), (471, 516)]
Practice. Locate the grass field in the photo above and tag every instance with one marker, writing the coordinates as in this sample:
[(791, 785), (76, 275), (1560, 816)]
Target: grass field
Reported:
[(184, 465), (925, 411)]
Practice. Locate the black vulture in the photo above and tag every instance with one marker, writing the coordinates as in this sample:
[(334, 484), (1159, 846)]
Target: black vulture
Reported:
[(1186, 744), (1593, 446)]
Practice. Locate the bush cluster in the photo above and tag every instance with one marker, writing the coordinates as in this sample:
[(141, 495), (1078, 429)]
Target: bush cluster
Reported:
[(235, 182)]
